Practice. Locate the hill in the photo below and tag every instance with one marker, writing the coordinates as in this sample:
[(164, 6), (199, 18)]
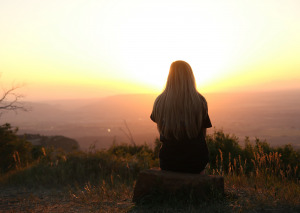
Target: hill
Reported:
[(273, 116), (57, 141)]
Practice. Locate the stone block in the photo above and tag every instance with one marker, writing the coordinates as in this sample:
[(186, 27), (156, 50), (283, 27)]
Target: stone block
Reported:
[(172, 181)]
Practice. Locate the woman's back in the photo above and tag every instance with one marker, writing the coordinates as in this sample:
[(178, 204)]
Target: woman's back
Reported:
[(189, 155), (181, 115)]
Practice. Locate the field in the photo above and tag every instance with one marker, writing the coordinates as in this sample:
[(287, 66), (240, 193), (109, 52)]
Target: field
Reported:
[(259, 163), (273, 116), (258, 178)]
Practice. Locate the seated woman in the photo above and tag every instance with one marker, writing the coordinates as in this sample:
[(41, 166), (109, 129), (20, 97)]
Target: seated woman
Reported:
[(181, 114)]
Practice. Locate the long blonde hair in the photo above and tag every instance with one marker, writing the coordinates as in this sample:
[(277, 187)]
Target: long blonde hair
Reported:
[(179, 103)]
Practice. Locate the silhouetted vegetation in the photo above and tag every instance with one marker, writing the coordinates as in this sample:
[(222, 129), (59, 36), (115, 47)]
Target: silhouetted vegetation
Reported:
[(225, 148), (14, 152), (126, 149), (266, 176)]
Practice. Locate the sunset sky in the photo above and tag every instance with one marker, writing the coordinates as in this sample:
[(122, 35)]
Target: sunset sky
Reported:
[(66, 49)]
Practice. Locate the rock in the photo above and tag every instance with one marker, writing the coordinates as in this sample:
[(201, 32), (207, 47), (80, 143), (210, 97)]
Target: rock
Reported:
[(173, 181)]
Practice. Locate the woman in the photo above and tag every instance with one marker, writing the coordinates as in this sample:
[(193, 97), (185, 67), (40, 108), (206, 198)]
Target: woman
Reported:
[(181, 114)]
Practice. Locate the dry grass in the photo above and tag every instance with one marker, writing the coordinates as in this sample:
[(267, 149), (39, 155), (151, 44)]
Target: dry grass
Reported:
[(268, 187), (103, 181)]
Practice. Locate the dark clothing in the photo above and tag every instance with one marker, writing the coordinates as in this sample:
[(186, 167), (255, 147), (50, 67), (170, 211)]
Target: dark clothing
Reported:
[(185, 155)]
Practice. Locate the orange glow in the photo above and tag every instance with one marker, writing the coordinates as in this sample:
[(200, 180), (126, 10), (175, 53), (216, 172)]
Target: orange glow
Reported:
[(79, 49)]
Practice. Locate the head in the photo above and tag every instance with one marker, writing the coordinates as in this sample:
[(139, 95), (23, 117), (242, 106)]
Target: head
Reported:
[(181, 77), (180, 103)]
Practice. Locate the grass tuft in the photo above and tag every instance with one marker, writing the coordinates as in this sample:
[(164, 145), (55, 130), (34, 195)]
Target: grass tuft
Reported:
[(257, 179)]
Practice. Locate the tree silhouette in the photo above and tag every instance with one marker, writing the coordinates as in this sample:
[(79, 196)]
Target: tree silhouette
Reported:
[(10, 99)]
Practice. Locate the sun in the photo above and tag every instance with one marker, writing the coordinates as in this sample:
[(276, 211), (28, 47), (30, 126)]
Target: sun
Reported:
[(149, 43)]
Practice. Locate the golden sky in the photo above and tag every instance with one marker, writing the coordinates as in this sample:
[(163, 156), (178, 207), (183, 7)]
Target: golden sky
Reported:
[(69, 49)]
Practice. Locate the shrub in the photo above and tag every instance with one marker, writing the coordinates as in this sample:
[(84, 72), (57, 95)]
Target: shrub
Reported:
[(125, 149), (220, 146), (225, 150), (157, 144), (15, 153)]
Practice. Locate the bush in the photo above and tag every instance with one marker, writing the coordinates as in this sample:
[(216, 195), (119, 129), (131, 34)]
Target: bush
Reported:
[(14, 152), (37, 152), (125, 149), (157, 147), (125, 161), (225, 149), (220, 146)]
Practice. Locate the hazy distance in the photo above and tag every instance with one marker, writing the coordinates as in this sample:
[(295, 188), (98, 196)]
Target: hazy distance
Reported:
[(273, 116)]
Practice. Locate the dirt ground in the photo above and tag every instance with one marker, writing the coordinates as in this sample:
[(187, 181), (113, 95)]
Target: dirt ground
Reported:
[(53, 200), (16, 199)]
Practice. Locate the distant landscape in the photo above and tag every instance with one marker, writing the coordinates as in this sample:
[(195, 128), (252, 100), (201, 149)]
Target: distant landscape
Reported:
[(273, 116)]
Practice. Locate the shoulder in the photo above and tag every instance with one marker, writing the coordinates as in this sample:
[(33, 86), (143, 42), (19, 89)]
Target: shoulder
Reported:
[(158, 97), (203, 99), (158, 100), (201, 96)]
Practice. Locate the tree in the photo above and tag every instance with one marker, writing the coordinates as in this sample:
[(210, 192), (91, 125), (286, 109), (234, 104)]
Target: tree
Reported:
[(10, 99), (14, 152)]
